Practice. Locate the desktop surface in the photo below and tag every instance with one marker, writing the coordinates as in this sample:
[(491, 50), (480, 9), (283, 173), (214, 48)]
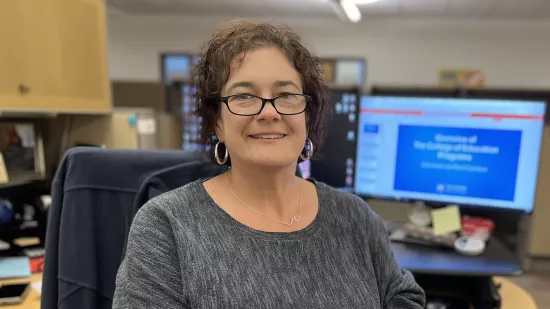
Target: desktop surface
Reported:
[(497, 260), (32, 300)]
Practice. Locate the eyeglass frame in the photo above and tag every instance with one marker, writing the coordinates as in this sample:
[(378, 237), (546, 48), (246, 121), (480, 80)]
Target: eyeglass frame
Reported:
[(264, 101)]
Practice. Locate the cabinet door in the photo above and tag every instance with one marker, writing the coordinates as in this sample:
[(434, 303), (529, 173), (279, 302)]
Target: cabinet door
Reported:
[(39, 60), (11, 46), (60, 55), (81, 30)]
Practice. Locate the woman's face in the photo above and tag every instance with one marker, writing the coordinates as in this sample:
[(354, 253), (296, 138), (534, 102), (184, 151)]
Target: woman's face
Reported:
[(267, 73)]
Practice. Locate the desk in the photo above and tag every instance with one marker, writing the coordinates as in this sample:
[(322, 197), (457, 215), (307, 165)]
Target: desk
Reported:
[(513, 296), (32, 301), (497, 260)]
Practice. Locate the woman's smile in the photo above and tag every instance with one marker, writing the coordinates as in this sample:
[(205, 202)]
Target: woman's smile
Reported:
[(268, 136)]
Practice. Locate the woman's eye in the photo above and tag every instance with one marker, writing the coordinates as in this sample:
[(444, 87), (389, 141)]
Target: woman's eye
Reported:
[(243, 97)]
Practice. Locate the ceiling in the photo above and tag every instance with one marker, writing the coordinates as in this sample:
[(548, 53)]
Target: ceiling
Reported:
[(524, 9)]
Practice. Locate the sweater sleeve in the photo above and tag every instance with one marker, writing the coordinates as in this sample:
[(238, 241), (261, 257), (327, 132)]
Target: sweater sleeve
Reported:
[(150, 276), (398, 289)]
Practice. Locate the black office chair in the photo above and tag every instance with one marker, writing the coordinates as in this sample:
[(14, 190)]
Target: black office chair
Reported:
[(92, 209)]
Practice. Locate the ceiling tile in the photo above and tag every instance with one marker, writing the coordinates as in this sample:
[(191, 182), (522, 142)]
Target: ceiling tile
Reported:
[(381, 7), (517, 8), (294, 7), (253, 8), (322, 8), (545, 11), (466, 8), (423, 6)]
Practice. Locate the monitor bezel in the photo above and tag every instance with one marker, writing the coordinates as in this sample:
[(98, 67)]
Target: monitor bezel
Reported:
[(439, 203)]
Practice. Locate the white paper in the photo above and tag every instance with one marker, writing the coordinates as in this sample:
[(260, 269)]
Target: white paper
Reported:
[(26, 133), (37, 286), (146, 126), (4, 245)]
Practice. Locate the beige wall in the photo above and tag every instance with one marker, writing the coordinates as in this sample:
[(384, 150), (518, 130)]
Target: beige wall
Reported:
[(138, 94), (150, 95), (111, 131), (540, 229), (169, 131), (513, 53), (114, 131)]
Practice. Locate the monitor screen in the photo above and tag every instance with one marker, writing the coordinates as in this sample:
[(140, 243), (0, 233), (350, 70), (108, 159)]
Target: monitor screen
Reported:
[(463, 151), (335, 162), (176, 67)]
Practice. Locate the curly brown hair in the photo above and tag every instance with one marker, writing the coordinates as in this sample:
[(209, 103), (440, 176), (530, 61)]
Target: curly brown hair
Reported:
[(239, 37)]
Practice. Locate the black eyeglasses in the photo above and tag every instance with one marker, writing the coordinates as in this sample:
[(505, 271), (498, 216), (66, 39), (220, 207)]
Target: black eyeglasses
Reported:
[(251, 105)]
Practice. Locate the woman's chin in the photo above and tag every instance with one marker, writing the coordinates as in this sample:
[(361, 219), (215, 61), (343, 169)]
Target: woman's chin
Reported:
[(273, 161)]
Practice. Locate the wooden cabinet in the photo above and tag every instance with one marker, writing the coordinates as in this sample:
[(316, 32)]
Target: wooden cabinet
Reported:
[(53, 56), (10, 48)]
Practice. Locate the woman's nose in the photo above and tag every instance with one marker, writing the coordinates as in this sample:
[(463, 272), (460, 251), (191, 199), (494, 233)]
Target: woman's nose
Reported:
[(269, 112)]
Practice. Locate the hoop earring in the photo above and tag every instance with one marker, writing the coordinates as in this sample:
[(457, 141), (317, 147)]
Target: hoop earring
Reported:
[(307, 152), (217, 156)]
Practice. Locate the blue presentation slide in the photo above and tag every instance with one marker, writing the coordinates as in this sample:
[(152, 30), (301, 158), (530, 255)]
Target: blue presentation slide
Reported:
[(459, 151), (457, 161)]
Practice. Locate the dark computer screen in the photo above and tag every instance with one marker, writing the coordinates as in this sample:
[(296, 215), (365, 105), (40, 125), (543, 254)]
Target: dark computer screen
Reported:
[(336, 162), (191, 122), (463, 151)]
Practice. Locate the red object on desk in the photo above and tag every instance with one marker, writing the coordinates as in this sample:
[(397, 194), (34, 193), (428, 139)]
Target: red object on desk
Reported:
[(477, 226), (37, 264)]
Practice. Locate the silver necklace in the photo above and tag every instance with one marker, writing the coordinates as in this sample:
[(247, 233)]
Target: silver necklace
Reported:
[(294, 219)]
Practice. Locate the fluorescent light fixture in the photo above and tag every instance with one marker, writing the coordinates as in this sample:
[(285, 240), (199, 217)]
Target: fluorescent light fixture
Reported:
[(351, 10), (362, 2)]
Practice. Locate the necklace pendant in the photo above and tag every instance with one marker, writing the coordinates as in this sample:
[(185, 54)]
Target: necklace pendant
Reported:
[(295, 219)]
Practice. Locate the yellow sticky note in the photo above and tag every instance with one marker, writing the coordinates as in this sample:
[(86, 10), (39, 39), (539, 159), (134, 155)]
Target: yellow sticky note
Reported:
[(446, 220)]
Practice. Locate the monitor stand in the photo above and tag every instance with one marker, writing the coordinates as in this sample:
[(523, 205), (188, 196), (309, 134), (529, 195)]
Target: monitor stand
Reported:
[(480, 292)]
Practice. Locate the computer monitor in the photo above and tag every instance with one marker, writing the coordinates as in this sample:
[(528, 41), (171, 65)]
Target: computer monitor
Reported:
[(176, 67), (22, 151), (178, 71), (460, 151), (336, 159)]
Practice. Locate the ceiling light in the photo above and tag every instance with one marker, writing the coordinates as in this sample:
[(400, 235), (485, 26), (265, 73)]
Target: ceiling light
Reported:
[(363, 2), (351, 10)]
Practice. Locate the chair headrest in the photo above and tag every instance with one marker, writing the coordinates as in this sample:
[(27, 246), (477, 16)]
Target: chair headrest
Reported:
[(125, 169)]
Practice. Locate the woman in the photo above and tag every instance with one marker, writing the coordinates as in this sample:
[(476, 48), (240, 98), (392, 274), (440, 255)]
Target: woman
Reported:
[(257, 236)]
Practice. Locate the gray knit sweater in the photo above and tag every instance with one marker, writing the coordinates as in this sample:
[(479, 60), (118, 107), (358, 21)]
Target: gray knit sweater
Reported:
[(186, 252)]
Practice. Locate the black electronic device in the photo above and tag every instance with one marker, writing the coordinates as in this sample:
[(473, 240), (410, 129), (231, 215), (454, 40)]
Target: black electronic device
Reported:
[(335, 164), (13, 293), (460, 292)]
